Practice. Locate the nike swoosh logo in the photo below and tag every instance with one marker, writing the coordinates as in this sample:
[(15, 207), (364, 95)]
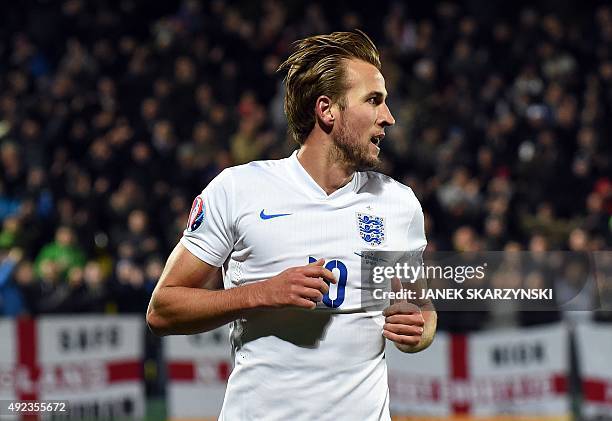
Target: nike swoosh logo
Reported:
[(263, 216)]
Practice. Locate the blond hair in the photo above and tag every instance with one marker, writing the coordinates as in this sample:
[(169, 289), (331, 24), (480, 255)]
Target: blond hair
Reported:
[(316, 68)]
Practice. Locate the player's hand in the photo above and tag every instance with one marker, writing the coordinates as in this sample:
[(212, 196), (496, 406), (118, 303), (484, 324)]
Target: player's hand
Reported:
[(403, 322), (301, 286)]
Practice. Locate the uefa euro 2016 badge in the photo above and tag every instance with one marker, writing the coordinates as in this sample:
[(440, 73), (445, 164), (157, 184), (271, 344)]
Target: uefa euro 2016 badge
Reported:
[(196, 216), (371, 228)]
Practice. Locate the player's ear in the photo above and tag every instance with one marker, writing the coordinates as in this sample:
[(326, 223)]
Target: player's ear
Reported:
[(324, 113)]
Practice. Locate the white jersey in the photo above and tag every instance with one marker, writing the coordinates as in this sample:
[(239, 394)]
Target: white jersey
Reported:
[(259, 219)]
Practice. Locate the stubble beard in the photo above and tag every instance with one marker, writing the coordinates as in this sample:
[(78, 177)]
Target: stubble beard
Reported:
[(349, 151)]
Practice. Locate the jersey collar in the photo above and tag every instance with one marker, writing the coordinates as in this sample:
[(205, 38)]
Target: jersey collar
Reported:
[(307, 184)]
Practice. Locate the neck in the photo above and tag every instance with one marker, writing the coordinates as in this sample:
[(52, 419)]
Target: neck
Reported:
[(325, 169)]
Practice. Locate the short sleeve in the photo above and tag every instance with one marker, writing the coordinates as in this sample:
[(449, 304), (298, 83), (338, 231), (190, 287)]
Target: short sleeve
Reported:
[(416, 241), (209, 232), (416, 229)]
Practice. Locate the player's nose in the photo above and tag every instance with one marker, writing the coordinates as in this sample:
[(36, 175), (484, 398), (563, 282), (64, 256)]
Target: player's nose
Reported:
[(386, 118)]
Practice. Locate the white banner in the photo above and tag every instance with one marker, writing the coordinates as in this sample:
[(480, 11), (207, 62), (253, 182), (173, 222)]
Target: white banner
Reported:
[(513, 372), (417, 381), (198, 369), (92, 362), (519, 372), (9, 368), (594, 348)]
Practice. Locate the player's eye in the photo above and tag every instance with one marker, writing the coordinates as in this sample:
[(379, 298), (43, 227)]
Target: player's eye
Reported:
[(372, 100)]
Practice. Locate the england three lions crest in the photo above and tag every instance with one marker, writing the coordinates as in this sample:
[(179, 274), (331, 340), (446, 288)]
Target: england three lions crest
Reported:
[(371, 228)]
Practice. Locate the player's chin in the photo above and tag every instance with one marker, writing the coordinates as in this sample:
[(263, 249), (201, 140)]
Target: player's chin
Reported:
[(370, 162)]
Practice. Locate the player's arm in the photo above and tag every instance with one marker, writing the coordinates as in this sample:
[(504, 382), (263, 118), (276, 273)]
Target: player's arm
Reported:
[(188, 298), (411, 325)]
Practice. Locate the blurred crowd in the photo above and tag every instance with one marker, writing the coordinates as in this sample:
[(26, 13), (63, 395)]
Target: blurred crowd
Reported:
[(114, 115)]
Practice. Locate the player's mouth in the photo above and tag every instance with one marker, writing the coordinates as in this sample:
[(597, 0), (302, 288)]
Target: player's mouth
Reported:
[(377, 139)]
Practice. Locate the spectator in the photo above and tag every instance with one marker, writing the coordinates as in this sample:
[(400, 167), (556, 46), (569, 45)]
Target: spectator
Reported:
[(25, 278), (56, 259), (11, 301), (131, 291), (97, 296)]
